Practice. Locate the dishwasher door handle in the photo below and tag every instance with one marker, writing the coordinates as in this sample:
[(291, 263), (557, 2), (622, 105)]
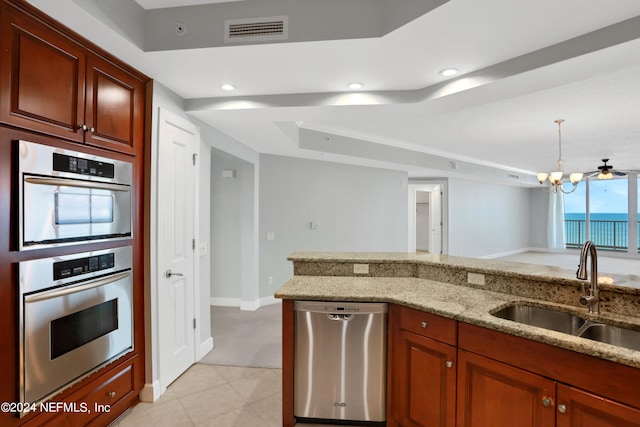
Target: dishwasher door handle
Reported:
[(337, 316)]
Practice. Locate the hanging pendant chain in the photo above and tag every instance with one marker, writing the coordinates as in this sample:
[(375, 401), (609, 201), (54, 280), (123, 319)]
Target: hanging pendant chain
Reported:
[(559, 122)]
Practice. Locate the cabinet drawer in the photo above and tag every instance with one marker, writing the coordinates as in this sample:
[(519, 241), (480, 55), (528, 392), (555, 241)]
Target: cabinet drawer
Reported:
[(428, 325), (97, 403), (102, 400), (111, 391)]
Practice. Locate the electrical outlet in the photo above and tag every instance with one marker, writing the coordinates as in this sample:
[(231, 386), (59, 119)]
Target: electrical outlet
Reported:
[(269, 280), (271, 235), (360, 268), (475, 278)]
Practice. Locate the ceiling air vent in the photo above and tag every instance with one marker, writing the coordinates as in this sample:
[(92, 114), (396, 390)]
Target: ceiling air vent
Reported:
[(256, 29)]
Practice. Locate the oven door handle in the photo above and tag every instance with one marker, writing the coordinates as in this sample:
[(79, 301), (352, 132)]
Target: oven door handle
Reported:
[(54, 293), (76, 183)]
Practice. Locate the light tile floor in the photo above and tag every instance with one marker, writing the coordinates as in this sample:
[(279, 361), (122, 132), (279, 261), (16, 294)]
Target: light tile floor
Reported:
[(214, 395)]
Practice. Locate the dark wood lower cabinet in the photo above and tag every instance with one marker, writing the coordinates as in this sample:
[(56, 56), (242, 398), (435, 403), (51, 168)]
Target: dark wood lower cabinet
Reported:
[(577, 408), (422, 369), (426, 390), (493, 394)]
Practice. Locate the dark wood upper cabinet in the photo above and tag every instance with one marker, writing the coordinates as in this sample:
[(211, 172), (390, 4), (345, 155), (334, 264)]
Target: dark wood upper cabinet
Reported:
[(60, 88), (114, 107), (43, 75)]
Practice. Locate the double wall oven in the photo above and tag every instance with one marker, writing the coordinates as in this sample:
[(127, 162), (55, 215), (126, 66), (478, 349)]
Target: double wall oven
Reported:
[(75, 309), (66, 197)]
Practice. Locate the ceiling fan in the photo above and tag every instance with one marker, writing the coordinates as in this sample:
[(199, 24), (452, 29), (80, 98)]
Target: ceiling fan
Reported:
[(606, 171)]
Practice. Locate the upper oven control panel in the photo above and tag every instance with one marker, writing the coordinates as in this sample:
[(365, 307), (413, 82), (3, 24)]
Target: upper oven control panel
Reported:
[(82, 166)]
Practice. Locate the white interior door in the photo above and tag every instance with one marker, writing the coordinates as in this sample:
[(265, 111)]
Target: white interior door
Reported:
[(423, 228), (178, 144), (435, 220)]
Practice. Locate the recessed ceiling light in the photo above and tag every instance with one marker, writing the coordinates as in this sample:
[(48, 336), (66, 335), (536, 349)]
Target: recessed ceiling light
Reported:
[(448, 72), (227, 87), (355, 85)]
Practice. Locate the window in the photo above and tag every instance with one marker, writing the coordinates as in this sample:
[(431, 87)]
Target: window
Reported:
[(609, 214), (575, 216), (599, 211)]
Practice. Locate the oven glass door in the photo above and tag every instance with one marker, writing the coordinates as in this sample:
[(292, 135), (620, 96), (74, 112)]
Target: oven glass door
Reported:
[(58, 210), (72, 330)]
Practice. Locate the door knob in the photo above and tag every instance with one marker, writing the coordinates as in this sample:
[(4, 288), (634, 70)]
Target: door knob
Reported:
[(169, 273)]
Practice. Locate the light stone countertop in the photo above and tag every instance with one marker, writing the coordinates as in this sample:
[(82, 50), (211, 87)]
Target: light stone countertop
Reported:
[(630, 282), (462, 303)]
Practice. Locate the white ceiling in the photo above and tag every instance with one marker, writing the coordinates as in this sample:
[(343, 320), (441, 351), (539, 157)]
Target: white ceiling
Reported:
[(161, 4), (520, 70)]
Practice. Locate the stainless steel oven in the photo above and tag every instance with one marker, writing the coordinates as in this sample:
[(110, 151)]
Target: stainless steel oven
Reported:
[(67, 197), (76, 314)]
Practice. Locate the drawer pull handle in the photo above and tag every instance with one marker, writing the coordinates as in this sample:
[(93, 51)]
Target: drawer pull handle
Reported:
[(424, 325), (562, 408), (112, 394)]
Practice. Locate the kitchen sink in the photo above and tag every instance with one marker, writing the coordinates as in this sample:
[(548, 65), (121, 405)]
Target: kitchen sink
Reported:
[(561, 321), (614, 335), (541, 317)]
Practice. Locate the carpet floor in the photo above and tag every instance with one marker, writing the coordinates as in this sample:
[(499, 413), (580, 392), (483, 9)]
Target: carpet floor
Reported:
[(246, 338)]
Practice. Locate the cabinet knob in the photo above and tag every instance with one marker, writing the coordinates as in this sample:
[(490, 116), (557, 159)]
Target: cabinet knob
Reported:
[(87, 128), (562, 408), (449, 363), (111, 394), (424, 325), (547, 402)]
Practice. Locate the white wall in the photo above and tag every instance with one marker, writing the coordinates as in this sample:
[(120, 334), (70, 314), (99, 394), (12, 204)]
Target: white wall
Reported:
[(539, 206), (357, 209), (487, 220), (232, 218)]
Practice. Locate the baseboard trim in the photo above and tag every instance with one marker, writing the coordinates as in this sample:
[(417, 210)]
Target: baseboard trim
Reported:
[(205, 348), (225, 302), (506, 253), (244, 305), (150, 392)]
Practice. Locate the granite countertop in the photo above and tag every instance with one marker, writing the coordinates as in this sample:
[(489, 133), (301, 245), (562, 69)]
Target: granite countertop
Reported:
[(629, 283), (458, 302)]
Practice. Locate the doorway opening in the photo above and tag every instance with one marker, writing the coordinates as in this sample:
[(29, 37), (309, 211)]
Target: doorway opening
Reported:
[(427, 218)]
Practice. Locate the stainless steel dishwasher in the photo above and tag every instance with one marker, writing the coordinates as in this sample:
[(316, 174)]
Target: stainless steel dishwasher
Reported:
[(340, 361)]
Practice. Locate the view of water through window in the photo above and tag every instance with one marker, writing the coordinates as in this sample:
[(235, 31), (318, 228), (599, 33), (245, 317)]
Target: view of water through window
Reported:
[(608, 225)]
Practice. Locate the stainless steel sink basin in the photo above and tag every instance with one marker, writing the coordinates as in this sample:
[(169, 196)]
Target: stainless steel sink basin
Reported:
[(561, 321), (613, 335), (541, 317)]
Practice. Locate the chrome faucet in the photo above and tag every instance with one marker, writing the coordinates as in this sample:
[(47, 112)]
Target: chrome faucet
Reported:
[(593, 299)]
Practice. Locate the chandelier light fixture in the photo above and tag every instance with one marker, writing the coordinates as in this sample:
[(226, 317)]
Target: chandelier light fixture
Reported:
[(555, 178)]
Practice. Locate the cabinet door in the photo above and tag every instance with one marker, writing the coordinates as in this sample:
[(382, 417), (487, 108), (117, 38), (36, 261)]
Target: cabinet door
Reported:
[(577, 408), (42, 78), (114, 110), (492, 394), (424, 380)]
